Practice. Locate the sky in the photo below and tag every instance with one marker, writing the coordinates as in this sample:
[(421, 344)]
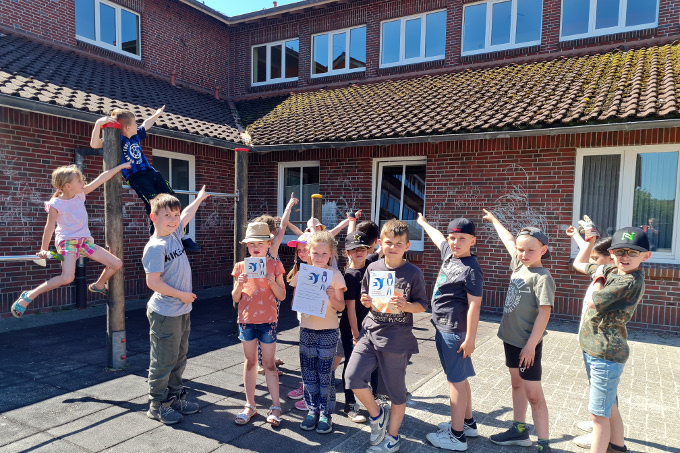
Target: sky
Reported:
[(236, 7)]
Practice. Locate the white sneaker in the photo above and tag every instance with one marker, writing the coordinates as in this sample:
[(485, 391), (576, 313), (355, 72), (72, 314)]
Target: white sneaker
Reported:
[(388, 445), (379, 426), (584, 441), (585, 426), (446, 440), (467, 429)]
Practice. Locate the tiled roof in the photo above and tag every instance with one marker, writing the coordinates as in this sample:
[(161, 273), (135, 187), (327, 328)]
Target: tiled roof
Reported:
[(616, 86), (36, 71)]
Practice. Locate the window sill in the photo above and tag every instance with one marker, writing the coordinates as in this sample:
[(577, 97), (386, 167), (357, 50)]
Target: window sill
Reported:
[(128, 58), (653, 271), (337, 77), (273, 86), (494, 54), (569, 43), (410, 67)]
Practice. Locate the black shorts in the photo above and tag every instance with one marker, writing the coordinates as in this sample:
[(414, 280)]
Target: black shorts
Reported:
[(532, 373), (148, 184)]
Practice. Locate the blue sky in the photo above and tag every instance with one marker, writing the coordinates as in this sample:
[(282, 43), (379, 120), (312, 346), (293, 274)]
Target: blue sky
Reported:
[(236, 7)]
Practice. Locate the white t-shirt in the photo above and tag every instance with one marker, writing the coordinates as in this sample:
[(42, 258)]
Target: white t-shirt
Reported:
[(71, 218)]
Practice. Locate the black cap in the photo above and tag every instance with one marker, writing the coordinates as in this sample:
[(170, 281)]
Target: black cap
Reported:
[(538, 234), (461, 225), (630, 238), (356, 240)]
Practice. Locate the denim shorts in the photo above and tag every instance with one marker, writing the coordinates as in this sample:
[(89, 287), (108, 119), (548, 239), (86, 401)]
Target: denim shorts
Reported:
[(266, 333), (604, 379), (456, 367)]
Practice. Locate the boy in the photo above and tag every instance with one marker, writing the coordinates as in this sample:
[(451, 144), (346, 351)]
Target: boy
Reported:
[(142, 177), (525, 316), (456, 303), (618, 288), (168, 274), (388, 341)]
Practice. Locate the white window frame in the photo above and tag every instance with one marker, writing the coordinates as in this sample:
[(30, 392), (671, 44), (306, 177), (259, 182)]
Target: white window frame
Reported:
[(627, 192), (402, 40), (378, 164), (489, 23), (192, 178), (280, 202), (119, 30), (621, 28), (348, 56), (269, 80)]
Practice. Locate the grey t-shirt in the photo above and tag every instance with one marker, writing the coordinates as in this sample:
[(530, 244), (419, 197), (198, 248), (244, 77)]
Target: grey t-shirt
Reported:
[(393, 332), (166, 255), (529, 289)]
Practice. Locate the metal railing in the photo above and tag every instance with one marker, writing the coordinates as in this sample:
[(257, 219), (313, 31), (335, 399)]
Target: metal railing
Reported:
[(34, 258), (193, 192)]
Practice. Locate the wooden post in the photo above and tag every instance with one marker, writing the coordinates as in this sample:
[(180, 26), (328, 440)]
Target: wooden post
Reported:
[(317, 212), (113, 220), (240, 216)]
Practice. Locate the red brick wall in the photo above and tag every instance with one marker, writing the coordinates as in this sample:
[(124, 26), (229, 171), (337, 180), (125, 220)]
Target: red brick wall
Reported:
[(32, 145)]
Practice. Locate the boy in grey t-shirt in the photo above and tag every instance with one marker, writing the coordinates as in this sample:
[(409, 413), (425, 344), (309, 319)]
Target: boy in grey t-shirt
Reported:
[(168, 274)]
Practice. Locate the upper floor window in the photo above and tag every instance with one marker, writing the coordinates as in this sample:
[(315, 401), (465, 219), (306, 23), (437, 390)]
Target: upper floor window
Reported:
[(276, 62), (339, 52), (109, 26), (586, 18), (500, 25), (413, 39)]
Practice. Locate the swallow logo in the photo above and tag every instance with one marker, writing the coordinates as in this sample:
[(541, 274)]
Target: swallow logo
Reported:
[(378, 282), (314, 278), (629, 236), (253, 267)]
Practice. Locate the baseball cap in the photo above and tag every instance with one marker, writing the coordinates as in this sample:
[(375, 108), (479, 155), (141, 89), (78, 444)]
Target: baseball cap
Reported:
[(461, 225), (630, 238), (302, 239), (538, 234), (356, 240)]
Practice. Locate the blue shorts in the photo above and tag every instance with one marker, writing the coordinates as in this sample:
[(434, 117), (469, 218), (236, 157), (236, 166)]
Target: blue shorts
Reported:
[(456, 367), (604, 379), (266, 333)]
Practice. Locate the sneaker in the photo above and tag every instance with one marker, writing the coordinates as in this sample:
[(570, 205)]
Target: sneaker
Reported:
[(445, 439), (301, 405), (388, 445), (544, 449), (352, 412), (325, 425), (183, 406), (379, 426), (512, 437), (469, 430), (298, 393), (310, 421), (190, 246), (585, 426), (584, 441), (164, 413)]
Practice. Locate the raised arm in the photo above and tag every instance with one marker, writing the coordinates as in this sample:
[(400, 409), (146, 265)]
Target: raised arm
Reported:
[(150, 121), (436, 235), (189, 212), (105, 176), (506, 237), (353, 221), (584, 250), (339, 227), (96, 140), (296, 231), (276, 242)]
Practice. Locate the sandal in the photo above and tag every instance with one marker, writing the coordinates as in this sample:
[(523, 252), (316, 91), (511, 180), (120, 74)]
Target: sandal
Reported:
[(94, 289), (243, 418), (18, 309), (278, 362), (272, 419)]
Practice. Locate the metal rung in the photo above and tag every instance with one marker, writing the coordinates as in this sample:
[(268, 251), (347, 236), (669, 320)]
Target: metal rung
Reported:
[(33, 258), (193, 192)]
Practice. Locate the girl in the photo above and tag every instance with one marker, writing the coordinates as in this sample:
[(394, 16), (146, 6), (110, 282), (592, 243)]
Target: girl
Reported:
[(318, 340), (66, 211)]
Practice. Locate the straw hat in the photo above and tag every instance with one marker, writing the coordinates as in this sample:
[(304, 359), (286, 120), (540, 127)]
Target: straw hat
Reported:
[(257, 232), (313, 222)]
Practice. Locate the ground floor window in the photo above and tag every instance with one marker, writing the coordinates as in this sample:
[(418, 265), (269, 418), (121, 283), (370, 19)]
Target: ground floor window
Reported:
[(302, 179), (180, 171)]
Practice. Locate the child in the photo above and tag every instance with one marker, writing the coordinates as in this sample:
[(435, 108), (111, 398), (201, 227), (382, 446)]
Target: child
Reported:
[(318, 339), (618, 288), (456, 302), (257, 317), (142, 177), (168, 274), (388, 341), (525, 316), (66, 209)]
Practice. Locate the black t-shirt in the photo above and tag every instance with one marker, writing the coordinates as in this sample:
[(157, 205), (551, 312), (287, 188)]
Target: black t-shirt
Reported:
[(353, 278), (458, 277)]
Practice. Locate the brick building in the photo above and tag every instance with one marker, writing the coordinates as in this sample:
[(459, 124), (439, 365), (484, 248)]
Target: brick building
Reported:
[(539, 110)]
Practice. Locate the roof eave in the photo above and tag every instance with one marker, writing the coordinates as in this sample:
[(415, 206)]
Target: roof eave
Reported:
[(262, 14)]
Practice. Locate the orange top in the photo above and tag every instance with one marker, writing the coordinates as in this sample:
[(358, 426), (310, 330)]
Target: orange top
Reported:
[(258, 303)]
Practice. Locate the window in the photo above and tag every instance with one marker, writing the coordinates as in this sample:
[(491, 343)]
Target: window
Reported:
[(179, 170), (276, 62), (585, 18), (500, 25), (302, 179), (400, 194), (619, 187), (109, 26), (339, 52), (413, 39)]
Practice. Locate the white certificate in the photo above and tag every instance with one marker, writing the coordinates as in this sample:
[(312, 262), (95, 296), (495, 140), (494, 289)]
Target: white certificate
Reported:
[(381, 290), (310, 292), (256, 267)]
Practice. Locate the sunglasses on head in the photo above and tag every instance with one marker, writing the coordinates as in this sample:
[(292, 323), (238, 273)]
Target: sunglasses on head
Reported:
[(624, 252)]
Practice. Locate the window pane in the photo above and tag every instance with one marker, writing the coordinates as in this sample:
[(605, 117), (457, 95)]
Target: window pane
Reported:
[(607, 14), (414, 199), (654, 203), (129, 32), (357, 48), (275, 61), (600, 191), (391, 37), (575, 15), (435, 34), (412, 39), (291, 184), (474, 32), (310, 186), (85, 19), (292, 58), (260, 64), (390, 193), (500, 23), (320, 65), (528, 20), (640, 12), (162, 166), (107, 24), (339, 44), (180, 174)]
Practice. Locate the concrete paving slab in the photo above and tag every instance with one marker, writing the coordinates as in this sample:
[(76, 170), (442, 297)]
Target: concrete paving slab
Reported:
[(27, 393), (42, 443), (118, 390), (12, 430), (170, 439)]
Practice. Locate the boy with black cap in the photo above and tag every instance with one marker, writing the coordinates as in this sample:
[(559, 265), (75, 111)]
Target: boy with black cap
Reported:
[(525, 316), (618, 288), (456, 301)]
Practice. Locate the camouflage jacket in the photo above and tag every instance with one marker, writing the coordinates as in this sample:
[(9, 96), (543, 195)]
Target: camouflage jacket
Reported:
[(604, 334)]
